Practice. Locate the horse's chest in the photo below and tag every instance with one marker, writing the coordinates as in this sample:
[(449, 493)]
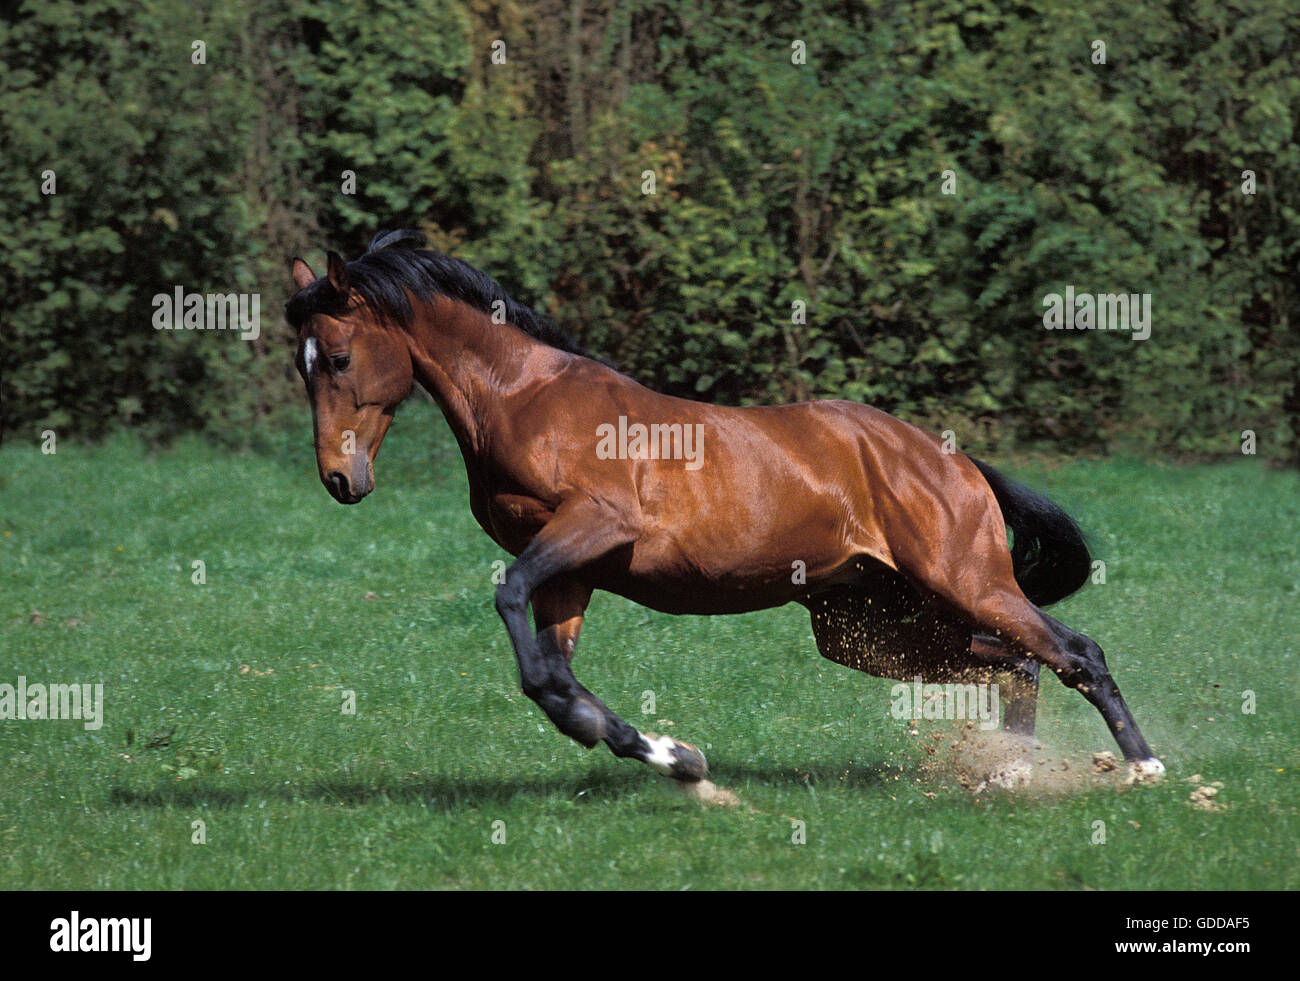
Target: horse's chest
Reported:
[(513, 520)]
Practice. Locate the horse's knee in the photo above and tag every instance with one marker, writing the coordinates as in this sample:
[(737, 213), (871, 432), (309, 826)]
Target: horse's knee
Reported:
[(582, 721), (510, 599), (534, 688), (576, 715)]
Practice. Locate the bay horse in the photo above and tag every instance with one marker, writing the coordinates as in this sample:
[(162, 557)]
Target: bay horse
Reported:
[(897, 548)]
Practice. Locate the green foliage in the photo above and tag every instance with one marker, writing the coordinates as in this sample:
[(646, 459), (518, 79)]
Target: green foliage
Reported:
[(822, 183), (377, 100), (798, 242), (145, 171)]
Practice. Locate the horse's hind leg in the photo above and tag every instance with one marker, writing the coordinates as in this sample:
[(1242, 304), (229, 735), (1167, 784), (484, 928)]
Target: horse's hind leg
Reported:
[(1088, 674), (1018, 685), (994, 603), (1075, 659)]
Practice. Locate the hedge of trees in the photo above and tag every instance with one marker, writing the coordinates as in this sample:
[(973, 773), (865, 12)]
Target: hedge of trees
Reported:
[(741, 202)]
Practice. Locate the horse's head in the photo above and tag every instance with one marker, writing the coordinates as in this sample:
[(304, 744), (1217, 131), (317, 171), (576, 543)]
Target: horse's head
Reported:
[(357, 368)]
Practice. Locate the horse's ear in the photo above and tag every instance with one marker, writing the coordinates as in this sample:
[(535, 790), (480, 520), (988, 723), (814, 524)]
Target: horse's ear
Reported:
[(338, 272), (302, 274)]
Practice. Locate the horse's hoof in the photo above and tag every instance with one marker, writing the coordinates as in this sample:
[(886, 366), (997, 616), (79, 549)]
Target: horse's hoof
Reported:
[(1145, 771), (679, 760), (691, 764)]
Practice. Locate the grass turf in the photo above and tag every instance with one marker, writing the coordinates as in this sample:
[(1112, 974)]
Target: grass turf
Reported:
[(223, 701)]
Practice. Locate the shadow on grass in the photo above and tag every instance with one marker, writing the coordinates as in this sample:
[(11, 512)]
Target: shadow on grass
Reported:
[(437, 791), (819, 774), (454, 792)]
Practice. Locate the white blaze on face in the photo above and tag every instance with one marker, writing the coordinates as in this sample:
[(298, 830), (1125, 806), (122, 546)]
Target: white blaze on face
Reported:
[(309, 354)]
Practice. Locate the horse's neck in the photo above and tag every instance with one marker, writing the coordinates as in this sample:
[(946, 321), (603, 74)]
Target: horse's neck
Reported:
[(472, 366)]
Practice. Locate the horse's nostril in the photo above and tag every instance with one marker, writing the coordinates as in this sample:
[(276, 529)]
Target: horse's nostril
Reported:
[(338, 484)]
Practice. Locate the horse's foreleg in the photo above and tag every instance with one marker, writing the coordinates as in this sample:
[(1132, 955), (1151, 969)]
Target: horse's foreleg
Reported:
[(558, 608), (572, 539)]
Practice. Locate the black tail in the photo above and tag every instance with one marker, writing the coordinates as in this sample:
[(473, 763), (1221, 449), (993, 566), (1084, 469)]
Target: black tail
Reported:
[(1048, 553)]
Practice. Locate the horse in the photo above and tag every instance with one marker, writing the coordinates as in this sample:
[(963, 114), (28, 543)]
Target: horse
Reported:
[(897, 546)]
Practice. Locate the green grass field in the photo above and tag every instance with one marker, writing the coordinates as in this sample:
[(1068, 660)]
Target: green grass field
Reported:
[(306, 600)]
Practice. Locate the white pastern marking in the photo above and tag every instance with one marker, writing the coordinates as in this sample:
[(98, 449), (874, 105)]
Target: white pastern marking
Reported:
[(309, 354), (1142, 771), (661, 754)]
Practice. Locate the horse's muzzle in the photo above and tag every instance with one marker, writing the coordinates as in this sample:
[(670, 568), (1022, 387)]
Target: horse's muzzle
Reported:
[(344, 490)]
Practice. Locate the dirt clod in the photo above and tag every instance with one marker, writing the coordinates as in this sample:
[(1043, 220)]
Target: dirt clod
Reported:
[(1104, 762)]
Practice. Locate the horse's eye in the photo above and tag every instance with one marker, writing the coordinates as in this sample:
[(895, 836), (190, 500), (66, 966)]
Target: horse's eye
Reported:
[(340, 362)]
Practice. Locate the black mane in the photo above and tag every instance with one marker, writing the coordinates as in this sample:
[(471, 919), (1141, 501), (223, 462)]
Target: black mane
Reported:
[(391, 268)]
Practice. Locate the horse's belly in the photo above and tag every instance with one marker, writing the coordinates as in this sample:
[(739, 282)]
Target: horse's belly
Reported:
[(699, 596), (884, 627)]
